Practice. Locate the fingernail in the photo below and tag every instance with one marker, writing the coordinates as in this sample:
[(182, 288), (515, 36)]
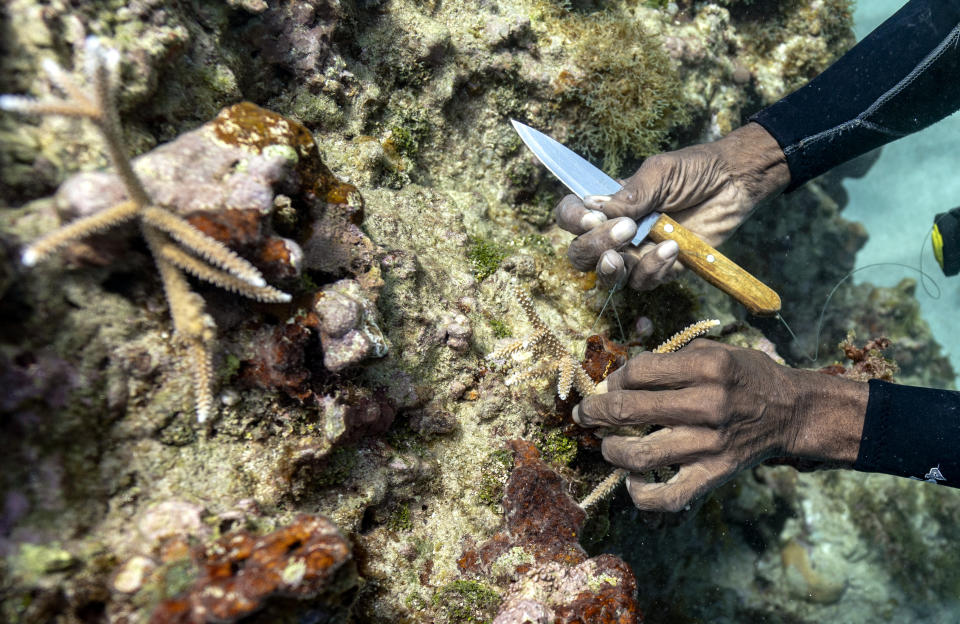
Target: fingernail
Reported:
[(607, 267), (624, 230), (575, 414), (601, 387), (668, 250), (592, 220), (595, 201)]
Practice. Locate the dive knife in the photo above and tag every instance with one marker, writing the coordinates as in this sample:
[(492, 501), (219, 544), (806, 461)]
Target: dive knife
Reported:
[(583, 179)]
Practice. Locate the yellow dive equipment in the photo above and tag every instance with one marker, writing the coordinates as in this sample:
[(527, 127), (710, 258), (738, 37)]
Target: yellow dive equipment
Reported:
[(946, 241)]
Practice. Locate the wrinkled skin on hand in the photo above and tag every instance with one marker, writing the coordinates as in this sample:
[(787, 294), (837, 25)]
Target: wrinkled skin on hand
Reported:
[(722, 409), (710, 189)]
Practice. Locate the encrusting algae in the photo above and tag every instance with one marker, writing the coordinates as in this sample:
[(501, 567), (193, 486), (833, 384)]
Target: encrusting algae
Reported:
[(176, 246), (548, 355)]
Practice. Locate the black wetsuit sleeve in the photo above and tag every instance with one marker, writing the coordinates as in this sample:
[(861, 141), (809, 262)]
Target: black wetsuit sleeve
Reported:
[(911, 432), (901, 78)]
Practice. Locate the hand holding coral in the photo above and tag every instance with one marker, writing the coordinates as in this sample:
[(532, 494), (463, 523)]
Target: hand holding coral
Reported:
[(710, 189), (722, 409)]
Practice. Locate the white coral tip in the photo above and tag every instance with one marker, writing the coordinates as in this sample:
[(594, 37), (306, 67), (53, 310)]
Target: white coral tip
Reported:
[(14, 103), (51, 67), (257, 281), (29, 257), (284, 298)]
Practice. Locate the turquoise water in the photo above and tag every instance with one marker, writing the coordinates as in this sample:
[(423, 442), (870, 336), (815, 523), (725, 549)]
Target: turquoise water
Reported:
[(914, 179)]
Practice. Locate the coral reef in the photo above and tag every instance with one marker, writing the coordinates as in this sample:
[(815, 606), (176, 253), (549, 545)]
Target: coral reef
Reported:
[(867, 362), (390, 198), (547, 355)]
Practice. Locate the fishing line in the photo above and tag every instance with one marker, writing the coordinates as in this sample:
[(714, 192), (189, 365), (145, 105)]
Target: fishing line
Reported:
[(613, 289), (928, 282)]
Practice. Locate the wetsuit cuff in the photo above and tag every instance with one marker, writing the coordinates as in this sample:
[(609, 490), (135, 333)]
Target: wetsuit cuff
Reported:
[(911, 432)]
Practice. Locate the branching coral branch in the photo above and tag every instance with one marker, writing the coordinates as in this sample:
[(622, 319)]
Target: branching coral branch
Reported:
[(547, 355), (606, 487), (176, 245)]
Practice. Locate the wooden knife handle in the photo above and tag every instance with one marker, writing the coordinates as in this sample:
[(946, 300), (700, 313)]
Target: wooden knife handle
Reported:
[(716, 268)]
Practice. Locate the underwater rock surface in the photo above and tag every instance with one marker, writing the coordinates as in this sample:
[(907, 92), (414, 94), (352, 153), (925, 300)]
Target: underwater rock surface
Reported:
[(365, 403)]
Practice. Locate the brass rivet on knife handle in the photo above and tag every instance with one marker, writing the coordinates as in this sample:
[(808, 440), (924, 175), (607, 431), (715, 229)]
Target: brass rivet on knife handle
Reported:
[(716, 268)]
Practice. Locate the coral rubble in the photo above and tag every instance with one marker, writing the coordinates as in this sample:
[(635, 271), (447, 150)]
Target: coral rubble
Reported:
[(306, 559)]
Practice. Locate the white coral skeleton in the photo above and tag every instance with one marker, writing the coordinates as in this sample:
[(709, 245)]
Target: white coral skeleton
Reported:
[(176, 246)]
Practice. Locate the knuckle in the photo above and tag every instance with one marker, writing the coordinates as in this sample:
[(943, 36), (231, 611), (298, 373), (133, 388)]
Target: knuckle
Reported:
[(676, 500), (632, 372), (714, 404), (714, 441), (602, 409), (618, 412), (718, 366), (618, 452), (640, 279), (567, 212)]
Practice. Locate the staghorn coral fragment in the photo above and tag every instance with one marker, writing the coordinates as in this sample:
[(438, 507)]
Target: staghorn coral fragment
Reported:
[(547, 356), (606, 487), (685, 335), (239, 573), (546, 352), (159, 226)]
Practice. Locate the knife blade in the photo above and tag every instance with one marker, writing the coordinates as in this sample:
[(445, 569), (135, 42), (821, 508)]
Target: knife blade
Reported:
[(583, 178)]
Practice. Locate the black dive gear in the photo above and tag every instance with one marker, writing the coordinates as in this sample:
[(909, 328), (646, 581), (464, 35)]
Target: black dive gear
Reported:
[(946, 241), (900, 78)]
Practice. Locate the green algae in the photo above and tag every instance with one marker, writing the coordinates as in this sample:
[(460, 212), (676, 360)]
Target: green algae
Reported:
[(340, 463), (466, 602), (558, 448), (494, 474), (500, 329), (626, 91), (400, 519), (316, 110), (485, 257)]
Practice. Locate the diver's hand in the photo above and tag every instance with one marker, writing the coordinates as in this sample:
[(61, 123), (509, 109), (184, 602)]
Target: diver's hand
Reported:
[(710, 189), (722, 409)]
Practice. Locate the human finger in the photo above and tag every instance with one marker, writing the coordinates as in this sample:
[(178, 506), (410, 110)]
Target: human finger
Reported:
[(653, 266), (584, 251), (611, 269), (575, 217), (645, 190), (691, 482), (688, 406), (665, 447), (658, 371)]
